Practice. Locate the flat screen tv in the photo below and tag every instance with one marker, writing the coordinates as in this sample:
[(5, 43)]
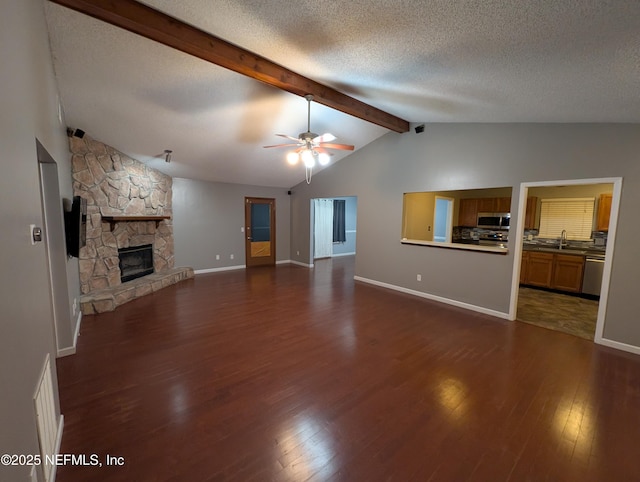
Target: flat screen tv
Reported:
[(75, 226)]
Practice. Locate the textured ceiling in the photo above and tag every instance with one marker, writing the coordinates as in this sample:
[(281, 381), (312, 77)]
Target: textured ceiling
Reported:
[(424, 61)]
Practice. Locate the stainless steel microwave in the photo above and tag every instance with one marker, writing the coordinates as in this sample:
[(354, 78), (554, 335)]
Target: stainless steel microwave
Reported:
[(498, 221)]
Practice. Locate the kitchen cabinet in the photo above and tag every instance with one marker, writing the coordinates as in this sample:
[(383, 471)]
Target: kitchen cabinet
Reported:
[(567, 273), (539, 269), (494, 205), (503, 204), (561, 272), (524, 267), (487, 205), (468, 214), (604, 212), (530, 213), (469, 209)]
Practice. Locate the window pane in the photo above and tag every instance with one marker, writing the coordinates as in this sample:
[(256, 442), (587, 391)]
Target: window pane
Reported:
[(574, 215), (260, 222)]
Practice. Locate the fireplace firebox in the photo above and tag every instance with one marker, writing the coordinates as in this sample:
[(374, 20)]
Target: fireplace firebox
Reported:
[(135, 262)]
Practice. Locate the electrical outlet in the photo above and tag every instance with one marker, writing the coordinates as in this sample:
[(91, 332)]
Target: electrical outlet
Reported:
[(419, 277), (230, 256), (242, 229), (297, 253), (217, 257)]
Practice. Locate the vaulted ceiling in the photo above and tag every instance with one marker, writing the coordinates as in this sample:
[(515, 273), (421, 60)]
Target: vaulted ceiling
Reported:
[(421, 61)]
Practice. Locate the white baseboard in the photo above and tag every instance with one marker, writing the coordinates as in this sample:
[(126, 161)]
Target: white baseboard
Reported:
[(72, 349), (302, 264), (618, 345), (343, 254), (242, 266), (440, 299), (216, 270)]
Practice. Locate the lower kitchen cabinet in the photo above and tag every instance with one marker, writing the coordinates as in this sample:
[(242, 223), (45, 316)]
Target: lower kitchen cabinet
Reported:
[(567, 273), (561, 272), (524, 266), (539, 270)]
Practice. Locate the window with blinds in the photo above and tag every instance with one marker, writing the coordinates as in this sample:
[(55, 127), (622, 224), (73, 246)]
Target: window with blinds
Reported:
[(575, 215)]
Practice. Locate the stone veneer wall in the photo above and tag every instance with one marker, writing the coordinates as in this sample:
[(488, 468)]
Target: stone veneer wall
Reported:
[(115, 184)]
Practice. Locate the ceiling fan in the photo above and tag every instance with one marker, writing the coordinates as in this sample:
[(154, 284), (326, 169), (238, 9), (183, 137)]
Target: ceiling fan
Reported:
[(311, 147)]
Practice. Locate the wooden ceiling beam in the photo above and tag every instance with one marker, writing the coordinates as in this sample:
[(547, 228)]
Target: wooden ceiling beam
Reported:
[(160, 27)]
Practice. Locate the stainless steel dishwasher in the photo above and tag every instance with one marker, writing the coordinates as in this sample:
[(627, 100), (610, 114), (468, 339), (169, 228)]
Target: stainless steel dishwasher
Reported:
[(592, 280)]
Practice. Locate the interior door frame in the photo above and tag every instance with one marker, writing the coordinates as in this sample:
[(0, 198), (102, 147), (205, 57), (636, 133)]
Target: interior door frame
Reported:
[(449, 220), (611, 238), (251, 261)]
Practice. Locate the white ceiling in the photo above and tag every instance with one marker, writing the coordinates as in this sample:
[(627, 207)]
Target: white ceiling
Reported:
[(424, 61)]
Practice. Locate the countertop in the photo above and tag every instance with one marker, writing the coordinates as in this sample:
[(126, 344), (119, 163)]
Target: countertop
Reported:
[(591, 251)]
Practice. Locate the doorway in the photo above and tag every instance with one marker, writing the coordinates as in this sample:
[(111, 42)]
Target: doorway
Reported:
[(55, 245), (333, 228), (260, 222), (571, 309), (443, 219)]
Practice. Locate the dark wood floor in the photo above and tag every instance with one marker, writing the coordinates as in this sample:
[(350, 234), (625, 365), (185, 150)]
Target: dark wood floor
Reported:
[(293, 374)]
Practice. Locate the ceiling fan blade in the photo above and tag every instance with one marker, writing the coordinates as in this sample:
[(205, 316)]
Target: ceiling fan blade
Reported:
[(343, 147), (320, 150), (289, 137), (281, 145), (326, 137)]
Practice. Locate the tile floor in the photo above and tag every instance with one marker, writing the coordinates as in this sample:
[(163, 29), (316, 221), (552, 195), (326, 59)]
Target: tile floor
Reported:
[(569, 314)]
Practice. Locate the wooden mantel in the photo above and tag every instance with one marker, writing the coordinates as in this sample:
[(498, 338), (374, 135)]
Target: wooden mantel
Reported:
[(112, 220)]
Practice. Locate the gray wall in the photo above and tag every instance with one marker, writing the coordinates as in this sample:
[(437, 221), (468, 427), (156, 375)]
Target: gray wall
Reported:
[(207, 218), (29, 110), (466, 156)]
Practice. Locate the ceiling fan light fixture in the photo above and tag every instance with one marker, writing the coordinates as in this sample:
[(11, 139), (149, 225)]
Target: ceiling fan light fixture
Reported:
[(308, 158), (323, 158), (293, 158), (308, 142)]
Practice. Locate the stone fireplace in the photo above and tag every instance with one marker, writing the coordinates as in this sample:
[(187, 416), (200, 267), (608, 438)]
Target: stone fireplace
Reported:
[(117, 185), (128, 206), (135, 262)]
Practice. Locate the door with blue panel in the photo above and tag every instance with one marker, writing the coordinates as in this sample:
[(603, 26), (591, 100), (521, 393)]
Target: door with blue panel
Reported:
[(260, 220)]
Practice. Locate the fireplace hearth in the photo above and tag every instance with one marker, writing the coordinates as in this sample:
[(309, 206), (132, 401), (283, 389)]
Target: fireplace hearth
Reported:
[(135, 262)]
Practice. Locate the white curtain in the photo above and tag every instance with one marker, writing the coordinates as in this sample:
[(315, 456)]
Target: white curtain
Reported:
[(323, 228)]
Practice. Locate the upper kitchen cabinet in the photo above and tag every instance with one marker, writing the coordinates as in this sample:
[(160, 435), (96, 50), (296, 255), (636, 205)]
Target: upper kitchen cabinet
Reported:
[(494, 204), (487, 205), (530, 214), (468, 214), (503, 205), (604, 212)]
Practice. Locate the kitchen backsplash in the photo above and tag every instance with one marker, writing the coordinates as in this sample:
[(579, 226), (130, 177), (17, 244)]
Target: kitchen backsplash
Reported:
[(598, 238), (463, 233)]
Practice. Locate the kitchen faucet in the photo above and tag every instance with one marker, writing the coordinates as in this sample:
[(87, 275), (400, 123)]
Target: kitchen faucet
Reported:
[(563, 238)]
